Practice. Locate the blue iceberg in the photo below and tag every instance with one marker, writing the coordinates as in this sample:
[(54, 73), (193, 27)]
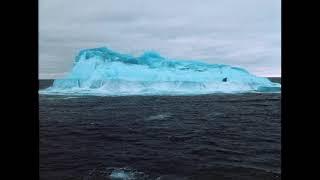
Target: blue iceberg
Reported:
[(101, 71)]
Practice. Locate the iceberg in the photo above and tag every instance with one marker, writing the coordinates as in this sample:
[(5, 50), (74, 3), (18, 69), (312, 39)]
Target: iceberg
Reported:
[(102, 71)]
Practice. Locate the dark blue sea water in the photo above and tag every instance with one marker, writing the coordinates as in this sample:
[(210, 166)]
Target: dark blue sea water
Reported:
[(160, 137)]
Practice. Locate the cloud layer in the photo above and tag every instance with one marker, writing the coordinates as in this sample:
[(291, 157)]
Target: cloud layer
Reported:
[(242, 33)]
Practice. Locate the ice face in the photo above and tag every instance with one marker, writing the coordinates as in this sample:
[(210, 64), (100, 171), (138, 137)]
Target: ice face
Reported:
[(101, 71)]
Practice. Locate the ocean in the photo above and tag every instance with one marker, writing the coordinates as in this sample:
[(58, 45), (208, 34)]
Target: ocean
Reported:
[(209, 137)]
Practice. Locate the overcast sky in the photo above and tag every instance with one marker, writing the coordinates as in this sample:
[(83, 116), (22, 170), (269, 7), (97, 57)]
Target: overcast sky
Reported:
[(243, 33)]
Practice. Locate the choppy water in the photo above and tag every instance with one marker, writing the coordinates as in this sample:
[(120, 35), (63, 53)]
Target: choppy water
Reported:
[(160, 137)]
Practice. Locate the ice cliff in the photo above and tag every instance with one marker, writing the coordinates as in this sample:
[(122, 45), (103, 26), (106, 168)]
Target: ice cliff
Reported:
[(101, 71)]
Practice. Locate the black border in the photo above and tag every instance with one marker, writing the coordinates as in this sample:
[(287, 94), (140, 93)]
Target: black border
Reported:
[(283, 94), (19, 57)]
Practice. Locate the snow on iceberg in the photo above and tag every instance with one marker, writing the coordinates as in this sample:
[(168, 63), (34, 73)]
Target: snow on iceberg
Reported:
[(101, 71)]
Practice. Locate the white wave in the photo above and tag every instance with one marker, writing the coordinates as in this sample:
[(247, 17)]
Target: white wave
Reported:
[(159, 116)]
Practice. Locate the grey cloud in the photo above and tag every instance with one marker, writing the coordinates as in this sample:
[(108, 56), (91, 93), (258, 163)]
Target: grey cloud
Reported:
[(241, 33)]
